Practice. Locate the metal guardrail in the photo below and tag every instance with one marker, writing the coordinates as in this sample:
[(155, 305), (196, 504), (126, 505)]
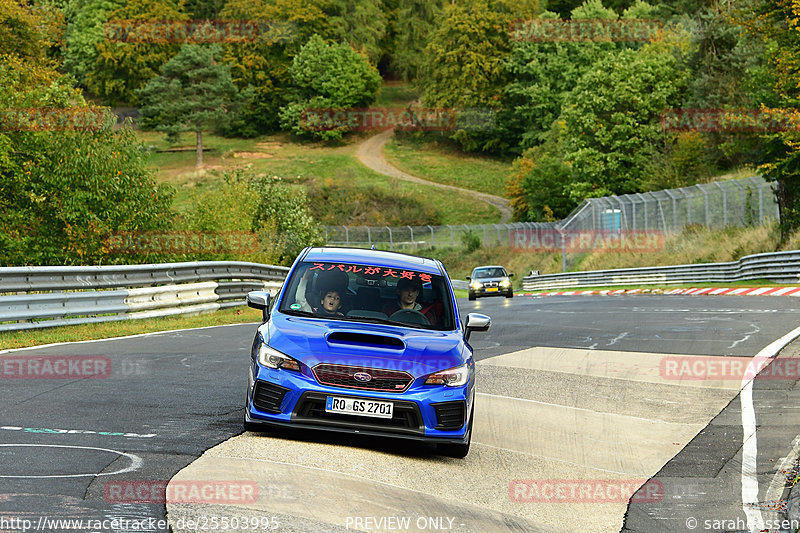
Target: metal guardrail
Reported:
[(779, 267), (47, 296)]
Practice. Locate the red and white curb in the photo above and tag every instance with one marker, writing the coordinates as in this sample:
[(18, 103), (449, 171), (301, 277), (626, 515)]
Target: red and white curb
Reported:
[(709, 291)]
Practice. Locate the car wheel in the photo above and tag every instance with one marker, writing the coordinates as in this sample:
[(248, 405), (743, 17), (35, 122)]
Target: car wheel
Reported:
[(510, 294), (459, 450), (471, 295)]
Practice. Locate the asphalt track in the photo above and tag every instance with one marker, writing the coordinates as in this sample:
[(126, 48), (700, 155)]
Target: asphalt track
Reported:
[(550, 409)]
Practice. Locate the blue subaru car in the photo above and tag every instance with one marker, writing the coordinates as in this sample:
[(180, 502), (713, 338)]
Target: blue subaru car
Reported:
[(368, 342)]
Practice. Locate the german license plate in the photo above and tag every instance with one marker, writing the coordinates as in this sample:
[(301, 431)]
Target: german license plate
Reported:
[(492, 289), (355, 406)]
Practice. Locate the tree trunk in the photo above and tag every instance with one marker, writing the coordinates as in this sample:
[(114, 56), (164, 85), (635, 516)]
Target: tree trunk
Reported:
[(199, 149)]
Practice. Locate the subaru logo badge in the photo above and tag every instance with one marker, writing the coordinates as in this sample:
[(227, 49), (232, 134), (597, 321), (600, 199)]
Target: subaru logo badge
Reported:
[(362, 376)]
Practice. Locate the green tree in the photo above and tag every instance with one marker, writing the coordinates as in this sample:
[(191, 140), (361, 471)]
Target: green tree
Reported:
[(468, 51), (122, 68), (193, 92), (360, 23), (776, 24), (85, 30), (328, 77), (612, 117), (414, 24), (264, 63), (65, 192)]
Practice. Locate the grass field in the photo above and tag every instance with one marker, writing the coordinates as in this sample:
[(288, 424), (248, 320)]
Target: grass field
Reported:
[(442, 163), (122, 328)]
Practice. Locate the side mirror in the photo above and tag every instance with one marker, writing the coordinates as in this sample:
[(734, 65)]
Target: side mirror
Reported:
[(476, 322), (469, 278), (259, 300), (511, 275)]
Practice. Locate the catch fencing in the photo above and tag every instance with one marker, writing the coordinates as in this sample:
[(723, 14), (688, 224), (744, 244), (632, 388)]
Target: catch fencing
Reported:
[(738, 202)]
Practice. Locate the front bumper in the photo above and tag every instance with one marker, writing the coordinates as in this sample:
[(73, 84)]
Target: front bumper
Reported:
[(280, 398)]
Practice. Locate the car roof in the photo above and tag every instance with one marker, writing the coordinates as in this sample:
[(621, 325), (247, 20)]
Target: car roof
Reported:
[(379, 258), (488, 266)]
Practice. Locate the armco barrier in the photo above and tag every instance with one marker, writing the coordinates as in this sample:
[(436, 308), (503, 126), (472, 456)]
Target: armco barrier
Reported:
[(48, 296), (779, 267), (38, 297)]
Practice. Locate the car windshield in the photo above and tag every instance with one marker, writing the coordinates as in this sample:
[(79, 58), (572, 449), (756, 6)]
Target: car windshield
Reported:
[(489, 273), (367, 293)]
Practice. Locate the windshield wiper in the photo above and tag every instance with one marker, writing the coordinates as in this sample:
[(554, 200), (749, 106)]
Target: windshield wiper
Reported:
[(297, 312)]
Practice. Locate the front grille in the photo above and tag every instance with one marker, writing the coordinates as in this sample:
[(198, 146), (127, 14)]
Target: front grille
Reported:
[(406, 417), (490, 284), (267, 397), (450, 415), (381, 380)]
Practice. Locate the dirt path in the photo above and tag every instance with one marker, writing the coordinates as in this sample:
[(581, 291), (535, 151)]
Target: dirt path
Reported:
[(370, 153)]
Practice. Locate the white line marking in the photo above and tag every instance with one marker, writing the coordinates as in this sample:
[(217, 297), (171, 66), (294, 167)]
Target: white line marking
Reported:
[(746, 337), (136, 461), (755, 520), (617, 338)]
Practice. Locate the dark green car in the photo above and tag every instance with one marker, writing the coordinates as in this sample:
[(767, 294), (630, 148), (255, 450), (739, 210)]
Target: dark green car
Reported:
[(490, 280)]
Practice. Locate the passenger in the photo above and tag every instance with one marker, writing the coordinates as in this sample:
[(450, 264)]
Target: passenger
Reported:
[(407, 292), (330, 303)]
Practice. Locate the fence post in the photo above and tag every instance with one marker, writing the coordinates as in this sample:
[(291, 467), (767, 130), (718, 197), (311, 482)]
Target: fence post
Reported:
[(452, 244), (705, 192), (674, 210), (391, 244), (759, 184), (369, 236), (724, 204), (688, 205), (741, 189), (431, 228), (413, 244)]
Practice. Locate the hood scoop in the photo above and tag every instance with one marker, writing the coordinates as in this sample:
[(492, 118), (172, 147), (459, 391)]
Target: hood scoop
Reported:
[(365, 339)]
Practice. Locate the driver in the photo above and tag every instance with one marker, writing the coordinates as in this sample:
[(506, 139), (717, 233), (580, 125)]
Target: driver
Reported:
[(407, 292)]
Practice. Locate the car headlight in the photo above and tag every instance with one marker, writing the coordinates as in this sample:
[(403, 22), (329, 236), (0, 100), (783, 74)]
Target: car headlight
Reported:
[(272, 358), (453, 377), (476, 285), (506, 283)]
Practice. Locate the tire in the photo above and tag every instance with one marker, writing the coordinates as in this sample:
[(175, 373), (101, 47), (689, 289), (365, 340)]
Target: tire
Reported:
[(457, 450), (510, 294), (471, 295)]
